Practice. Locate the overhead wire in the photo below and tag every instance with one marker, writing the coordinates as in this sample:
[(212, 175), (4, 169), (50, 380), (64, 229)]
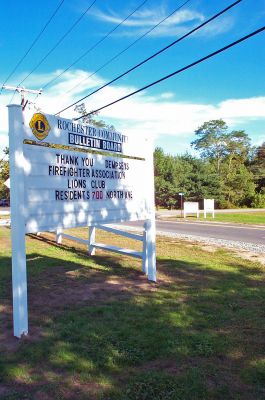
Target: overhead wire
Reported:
[(154, 55), (177, 71), (129, 46), (95, 45), (59, 41), (33, 43)]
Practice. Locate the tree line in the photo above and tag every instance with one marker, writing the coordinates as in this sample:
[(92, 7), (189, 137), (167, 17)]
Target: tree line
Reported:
[(4, 175), (227, 169)]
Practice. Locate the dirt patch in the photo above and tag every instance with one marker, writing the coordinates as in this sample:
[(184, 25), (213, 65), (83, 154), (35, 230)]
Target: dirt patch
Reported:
[(43, 396), (4, 391), (58, 289), (227, 372), (213, 247), (72, 390), (168, 366), (7, 341), (76, 289), (242, 253), (250, 255), (208, 248)]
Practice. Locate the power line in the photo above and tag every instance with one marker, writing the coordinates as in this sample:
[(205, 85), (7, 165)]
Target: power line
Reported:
[(33, 43), (178, 71), (95, 45), (59, 41), (154, 55), (129, 46)]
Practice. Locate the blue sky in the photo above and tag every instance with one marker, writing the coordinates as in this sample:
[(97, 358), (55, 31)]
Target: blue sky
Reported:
[(230, 86)]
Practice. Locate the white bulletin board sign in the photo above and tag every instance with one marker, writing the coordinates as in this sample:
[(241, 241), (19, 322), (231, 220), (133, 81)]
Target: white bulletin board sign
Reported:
[(208, 207), (65, 175), (191, 207)]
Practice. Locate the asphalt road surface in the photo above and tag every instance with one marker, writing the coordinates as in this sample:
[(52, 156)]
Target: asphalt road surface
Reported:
[(239, 233), (233, 232)]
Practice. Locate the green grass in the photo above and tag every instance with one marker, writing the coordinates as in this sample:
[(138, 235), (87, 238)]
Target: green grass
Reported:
[(257, 218), (4, 216), (254, 218), (98, 330)]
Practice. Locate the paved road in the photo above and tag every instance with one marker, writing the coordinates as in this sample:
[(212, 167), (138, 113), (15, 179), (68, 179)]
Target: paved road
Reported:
[(234, 232), (242, 233)]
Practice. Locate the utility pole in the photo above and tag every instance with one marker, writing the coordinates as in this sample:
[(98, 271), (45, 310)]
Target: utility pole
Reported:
[(22, 90)]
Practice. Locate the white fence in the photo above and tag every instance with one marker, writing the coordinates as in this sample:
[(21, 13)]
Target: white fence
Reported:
[(147, 239)]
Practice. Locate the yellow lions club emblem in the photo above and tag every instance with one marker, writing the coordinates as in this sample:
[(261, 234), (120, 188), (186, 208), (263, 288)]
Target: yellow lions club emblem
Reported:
[(40, 126)]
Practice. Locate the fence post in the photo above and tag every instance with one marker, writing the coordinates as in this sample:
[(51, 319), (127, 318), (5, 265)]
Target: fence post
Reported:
[(59, 236), (145, 257), (91, 240), (151, 250)]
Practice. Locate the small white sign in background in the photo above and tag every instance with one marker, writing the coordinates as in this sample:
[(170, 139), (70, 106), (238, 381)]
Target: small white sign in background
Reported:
[(208, 207), (191, 207)]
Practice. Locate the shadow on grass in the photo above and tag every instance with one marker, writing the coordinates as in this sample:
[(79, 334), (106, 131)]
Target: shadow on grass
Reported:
[(104, 332)]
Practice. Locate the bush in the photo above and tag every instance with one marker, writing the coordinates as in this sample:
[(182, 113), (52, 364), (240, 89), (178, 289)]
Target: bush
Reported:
[(224, 204), (258, 201)]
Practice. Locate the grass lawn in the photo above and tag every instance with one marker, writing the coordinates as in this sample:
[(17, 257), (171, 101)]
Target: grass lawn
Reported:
[(256, 218), (100, 330), (4, 216)]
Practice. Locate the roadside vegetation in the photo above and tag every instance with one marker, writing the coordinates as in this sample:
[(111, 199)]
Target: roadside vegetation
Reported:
[(228, 170), (255, 218), (251, 218), (100, 330), (4, 174)]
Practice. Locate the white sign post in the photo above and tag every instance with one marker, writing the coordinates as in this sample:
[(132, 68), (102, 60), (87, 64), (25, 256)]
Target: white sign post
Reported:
[(191, 207), (208, 207), (66, 175), (19, 269)]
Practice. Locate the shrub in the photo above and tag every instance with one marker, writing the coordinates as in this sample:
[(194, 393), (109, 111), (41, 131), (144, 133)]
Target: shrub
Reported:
[(258, 201)]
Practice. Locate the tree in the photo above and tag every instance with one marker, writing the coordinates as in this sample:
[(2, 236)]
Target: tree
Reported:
[(257, 167), (229, 153), (4, 175), (166, 189), (215, 143), (211, 141), (185, 173), (238, 146), (237, 185), (201, 180), (88, 119)]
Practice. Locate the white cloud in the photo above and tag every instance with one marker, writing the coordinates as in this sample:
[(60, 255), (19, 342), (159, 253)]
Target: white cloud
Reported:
[(157, 115), (150, 17), (3, 142), (178, 24), (243, 108), (167, 95)]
